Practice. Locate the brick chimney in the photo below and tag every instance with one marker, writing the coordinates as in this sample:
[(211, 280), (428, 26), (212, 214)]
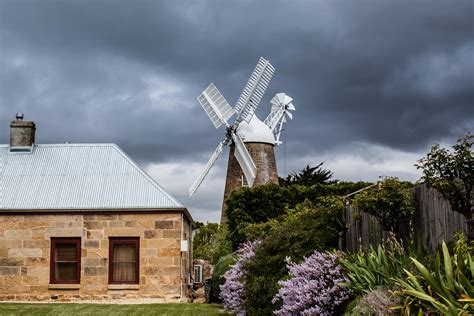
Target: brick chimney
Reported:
[(22, 133)]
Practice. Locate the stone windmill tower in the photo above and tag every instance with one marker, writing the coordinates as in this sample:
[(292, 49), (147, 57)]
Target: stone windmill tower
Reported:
[(251, 157)]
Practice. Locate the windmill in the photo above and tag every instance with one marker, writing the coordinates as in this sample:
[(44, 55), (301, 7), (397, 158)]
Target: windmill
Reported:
[(251, 141), (281, 107)]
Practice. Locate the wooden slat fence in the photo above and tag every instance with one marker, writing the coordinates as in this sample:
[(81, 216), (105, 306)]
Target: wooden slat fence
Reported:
[(433, 222)]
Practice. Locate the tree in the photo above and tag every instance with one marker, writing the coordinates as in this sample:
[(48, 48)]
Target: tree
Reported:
[(391, 202), (308, 176), (211, 242), (452, 174)]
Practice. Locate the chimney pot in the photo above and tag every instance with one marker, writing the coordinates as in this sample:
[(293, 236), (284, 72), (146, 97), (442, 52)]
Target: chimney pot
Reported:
[(22, 133)]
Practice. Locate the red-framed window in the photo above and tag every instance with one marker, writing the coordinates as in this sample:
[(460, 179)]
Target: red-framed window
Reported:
[(65, 263), (124, 260)]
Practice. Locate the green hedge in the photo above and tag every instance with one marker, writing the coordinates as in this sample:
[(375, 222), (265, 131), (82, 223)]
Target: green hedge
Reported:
[(260, 204)]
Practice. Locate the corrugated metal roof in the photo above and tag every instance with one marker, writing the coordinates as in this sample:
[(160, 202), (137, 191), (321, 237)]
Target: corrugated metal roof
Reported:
[(77, 176)]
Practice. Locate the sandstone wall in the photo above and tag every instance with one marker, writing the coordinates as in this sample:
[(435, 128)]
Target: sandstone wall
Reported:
[(25, 255)]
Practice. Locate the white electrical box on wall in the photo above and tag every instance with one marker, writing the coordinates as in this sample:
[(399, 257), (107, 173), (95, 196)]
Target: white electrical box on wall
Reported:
[(184, 245)]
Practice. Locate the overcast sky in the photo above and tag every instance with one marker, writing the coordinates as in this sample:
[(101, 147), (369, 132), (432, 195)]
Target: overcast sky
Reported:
[(375, 83)]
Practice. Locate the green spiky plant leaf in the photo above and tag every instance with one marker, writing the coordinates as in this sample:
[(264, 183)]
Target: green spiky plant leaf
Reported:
[(445, 289)]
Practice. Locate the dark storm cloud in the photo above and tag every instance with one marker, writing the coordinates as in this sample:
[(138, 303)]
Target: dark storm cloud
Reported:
[(398, 74)]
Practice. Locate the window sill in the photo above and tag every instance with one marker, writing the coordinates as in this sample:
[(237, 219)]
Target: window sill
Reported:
[(64, 286), (124, 286)]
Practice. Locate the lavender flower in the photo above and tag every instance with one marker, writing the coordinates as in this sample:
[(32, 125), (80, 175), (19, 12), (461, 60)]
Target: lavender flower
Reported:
[(313, 288), (233, 288)]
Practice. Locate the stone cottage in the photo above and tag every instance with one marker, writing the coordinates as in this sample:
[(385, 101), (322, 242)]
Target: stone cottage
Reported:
[(83, 221)]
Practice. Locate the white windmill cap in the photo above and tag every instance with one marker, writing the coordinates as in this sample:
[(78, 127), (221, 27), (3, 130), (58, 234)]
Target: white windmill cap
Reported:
[(255, 132)]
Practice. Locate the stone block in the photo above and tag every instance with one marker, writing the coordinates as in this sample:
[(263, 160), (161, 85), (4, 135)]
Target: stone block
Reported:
[(150, 252), (91, 262), (174, 217), (89, 217), (18, 234), (91, 244), (116, 224), (149, 234), (12, 262), (37, 261), (95, 234), (132, 223), (100, 253), (36, 243), (172, 233), (95, 225), (164, 224), (37, 271), (125, 231), (10, 270), (63, 232), (25, 252), (161, 261), (163, 243), (160, 270), (13, 218), (95, 271), (145, 223), (14, 284), (107, 217), (168, 252)]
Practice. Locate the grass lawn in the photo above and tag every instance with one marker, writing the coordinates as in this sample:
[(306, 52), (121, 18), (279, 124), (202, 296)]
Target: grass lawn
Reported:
[(110, 309)]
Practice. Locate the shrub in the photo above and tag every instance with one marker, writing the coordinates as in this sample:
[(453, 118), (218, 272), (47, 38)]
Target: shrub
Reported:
[(211, 242), (390, 202), (304, 230), (233, 288), (313, 287), (377, 302), (443, 290), (222, 266), (262, 203), (375, 268)]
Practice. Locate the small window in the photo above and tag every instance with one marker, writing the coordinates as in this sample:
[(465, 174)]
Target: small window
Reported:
[(198, 273), (244, 182), (124, 260), (65, 260)]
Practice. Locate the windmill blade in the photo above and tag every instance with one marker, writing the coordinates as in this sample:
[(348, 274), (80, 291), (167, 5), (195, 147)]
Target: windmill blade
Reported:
[(281, 107), (215, 105), (244, 159), (208, 167), (254, 90)]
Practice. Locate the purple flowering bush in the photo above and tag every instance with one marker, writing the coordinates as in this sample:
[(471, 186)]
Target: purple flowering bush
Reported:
[(233, 289), (313, 287)]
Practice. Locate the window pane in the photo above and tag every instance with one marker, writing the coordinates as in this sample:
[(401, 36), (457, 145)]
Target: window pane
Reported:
[(124, 272), (65, 252), (124, 253), (65, 271)]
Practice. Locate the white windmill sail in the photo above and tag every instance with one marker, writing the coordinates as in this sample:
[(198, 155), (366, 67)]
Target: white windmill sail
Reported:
[(281, 107), (215, 105), (254, 90), (219, 112), (245, 160), (208, 167)]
